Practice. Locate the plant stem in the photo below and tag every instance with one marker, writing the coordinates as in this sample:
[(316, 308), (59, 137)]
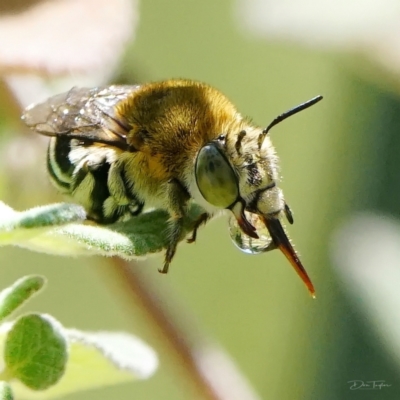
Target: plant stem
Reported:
[(211, 371)]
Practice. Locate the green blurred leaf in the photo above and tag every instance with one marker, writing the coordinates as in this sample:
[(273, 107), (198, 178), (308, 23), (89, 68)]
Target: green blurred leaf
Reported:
[(36, 351), (46, 229), (96, 360), (5, 391), (14, 296)]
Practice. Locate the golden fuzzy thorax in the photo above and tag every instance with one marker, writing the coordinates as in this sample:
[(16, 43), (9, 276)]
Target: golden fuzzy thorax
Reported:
[(172, 120)]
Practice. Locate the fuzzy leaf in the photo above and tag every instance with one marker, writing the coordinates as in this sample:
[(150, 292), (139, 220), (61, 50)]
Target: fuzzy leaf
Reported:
[(5, 391), (94, 360), (48, 231), (35, 351), (16, 226), (14, 296)]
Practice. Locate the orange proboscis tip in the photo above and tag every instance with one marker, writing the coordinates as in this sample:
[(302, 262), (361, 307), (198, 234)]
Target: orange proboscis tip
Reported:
[(282, 242), (291, 255)]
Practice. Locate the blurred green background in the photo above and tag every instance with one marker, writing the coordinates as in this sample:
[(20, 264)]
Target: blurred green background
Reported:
[(286, 344)]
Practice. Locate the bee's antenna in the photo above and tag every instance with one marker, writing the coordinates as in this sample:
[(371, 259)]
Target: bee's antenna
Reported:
[(238, 143), (285, 115)]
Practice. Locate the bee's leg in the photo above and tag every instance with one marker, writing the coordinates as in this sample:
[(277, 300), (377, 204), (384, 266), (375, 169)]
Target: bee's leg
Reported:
[(116, 204), (78, 178), (122, 200), (203, 218), (82, 185), (117, 185), (178, 197), (175, 231)]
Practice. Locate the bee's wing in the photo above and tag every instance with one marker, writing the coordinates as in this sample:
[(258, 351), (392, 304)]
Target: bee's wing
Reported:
[(82, 113)]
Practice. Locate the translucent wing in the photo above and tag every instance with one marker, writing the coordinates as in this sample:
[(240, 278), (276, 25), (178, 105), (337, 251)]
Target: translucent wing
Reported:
[(82, 113)]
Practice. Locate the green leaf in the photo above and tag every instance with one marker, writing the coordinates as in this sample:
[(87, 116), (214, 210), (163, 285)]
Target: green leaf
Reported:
[(95, 360), (114, 351), (14, 296), (5, 391), (35, 351), (19, 226), (139, 236)]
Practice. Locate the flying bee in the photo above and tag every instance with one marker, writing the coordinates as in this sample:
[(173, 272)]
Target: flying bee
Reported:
[(119, 149)]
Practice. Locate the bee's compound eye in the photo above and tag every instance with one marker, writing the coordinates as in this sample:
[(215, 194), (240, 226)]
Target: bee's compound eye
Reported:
[(215, 177)]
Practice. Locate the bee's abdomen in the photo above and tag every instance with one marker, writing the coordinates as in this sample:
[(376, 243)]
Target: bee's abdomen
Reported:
[(87, 182), (58, 164), (99, 194)]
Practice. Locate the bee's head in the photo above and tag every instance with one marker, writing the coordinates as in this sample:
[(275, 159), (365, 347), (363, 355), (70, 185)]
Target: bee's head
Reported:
[(239, 172)]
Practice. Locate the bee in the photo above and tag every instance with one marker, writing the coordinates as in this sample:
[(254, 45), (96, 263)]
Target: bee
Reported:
[(119, 150)]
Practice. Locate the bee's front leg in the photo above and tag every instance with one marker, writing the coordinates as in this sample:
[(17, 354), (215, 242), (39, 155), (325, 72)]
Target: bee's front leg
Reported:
[(178, 197), (203, 218)]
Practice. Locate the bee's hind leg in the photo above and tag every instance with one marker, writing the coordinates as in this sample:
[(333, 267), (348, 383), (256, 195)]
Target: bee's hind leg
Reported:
[(178, 197)]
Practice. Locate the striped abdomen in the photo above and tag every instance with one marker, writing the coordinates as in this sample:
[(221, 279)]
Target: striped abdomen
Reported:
[(84, 171)]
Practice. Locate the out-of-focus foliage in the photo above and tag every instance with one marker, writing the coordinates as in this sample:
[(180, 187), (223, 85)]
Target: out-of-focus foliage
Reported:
[(337, 159), (362, 27), (42, 359)]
